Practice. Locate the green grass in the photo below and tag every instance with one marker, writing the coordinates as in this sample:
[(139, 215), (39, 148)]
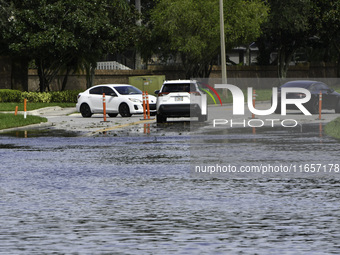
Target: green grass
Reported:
[(262, 95), (10, 120), (32, 106), (333, 128)]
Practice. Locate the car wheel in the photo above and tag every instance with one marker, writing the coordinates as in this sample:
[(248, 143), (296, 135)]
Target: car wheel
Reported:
[(85, 111), (112, 115), (124, 110), (337, 108), (160, 118), (202, 118), (278, 110), (314, 107)]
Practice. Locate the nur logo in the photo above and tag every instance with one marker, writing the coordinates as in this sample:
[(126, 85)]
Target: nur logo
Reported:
[(238, 100)]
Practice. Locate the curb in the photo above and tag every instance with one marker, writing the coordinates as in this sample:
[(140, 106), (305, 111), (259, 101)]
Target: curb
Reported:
[(22, 128), (49, 111)]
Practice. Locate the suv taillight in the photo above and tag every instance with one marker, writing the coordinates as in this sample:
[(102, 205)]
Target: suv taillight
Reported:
[(163, 94)]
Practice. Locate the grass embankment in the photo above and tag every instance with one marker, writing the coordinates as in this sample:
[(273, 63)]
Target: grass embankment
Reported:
[(6, 107), (333, 128), (10, 120), (261, 95)]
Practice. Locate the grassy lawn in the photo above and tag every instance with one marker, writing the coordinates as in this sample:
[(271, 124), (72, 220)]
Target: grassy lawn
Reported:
[(10, 120), (32, 106), (333, 128), (261, 95)]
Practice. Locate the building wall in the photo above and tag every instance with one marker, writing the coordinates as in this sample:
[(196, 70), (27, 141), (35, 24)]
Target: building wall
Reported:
[(78, 81)]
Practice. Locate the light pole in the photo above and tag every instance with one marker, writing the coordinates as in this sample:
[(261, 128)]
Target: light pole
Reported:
[(138, 60), (223, 57)]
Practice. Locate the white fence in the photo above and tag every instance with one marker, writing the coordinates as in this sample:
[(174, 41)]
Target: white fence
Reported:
[(111, 65)]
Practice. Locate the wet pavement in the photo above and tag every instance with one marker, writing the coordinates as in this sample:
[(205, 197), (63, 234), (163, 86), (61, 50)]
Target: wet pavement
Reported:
[(67, 119), (130, 190)]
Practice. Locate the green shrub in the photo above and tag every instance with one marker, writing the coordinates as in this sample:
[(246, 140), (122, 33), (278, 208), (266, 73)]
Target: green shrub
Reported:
[(67, 96), (37, 97), (9, 95)]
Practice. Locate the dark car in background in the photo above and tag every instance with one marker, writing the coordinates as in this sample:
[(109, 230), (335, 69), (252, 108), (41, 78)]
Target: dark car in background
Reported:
[(330, 98)]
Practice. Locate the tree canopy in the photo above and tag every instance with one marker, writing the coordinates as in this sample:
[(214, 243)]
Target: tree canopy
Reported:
[(308, 26), (191, 28), (65, 35), (327, 30), (288, 28)]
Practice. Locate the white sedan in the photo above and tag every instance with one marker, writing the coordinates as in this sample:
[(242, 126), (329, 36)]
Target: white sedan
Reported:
[(120, 99)]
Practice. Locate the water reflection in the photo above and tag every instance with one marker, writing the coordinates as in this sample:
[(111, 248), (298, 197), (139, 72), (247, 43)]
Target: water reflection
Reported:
[(135, 195), (33, 133)]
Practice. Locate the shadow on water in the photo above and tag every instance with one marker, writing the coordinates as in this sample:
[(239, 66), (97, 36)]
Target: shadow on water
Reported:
[(315, 130), (177, 128), (134, 195), (33, 133)]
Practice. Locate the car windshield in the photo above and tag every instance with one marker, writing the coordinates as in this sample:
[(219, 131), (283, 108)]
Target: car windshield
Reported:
[(127, 90), (179, 87)]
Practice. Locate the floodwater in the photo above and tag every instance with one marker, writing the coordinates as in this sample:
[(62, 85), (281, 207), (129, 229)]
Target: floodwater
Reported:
[(108, 194)]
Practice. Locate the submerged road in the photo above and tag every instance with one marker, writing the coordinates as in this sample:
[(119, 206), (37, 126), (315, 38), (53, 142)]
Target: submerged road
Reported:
[(218, 117), (127, 192)]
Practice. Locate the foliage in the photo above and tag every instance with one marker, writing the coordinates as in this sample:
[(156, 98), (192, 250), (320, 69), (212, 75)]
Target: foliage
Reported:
[(327, 30), (67, 96), (66, 35), (9, 95), (288, 28), (35, 97), (192, 29)]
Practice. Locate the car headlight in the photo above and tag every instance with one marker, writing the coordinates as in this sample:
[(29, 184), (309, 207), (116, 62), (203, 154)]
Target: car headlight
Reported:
[(135, 100)]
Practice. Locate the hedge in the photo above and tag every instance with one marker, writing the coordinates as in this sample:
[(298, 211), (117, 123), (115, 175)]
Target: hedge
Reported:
[(67, 96), (8, 95)]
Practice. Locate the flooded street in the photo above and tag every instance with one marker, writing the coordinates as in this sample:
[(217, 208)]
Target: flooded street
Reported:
[(61, 193)]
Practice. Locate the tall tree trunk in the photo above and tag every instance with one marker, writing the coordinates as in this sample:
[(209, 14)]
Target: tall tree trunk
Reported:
[(284, 58), (138, 60), (90, 74), (42, 80), (19, 73), (338, 64), (65, 79)]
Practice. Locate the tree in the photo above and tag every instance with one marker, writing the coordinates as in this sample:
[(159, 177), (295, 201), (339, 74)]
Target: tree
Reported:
[(327, 30), (288, 28), (191, 28), (67, 35)]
